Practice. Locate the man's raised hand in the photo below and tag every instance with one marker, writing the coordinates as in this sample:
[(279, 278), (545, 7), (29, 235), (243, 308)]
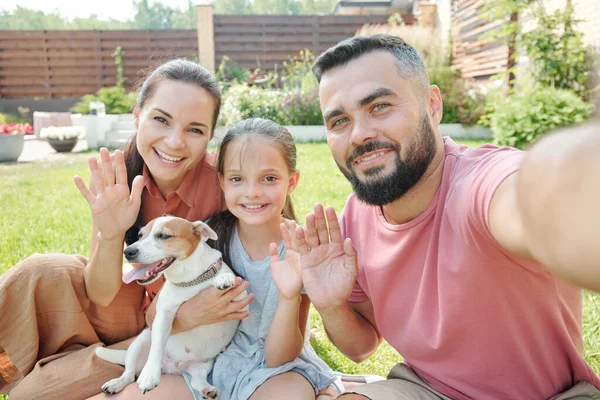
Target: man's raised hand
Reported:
[(329, 265)]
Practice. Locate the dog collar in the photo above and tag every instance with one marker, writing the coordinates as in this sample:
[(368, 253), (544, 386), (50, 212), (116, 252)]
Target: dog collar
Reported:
[(210, 273)]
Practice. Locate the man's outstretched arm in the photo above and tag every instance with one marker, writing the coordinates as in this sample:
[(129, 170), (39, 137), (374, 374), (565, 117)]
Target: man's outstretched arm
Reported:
[(549, 211)]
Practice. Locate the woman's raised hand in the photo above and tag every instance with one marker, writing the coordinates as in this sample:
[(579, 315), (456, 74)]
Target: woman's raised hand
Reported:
[(114, 208)]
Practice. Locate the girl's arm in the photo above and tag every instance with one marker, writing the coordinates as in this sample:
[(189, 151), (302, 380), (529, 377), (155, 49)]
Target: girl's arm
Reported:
[(285, 339)]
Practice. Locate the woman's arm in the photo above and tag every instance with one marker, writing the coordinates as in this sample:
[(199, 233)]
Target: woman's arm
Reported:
[(114, 210), (103, 273), (285, 339)]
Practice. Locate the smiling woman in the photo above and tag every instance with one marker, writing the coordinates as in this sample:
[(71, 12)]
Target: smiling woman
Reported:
[(165, 169), (174, 141)]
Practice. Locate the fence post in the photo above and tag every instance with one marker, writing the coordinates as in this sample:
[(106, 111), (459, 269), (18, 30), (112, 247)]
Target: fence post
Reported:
[(206, 36)]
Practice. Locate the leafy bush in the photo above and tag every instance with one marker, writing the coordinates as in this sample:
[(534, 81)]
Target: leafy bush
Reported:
[(284, 107), (297, 72), (289, 99), (23, 117), (521, 118), (228, 75), (302, 108), (243, 101), (116, 99), (464, 101)]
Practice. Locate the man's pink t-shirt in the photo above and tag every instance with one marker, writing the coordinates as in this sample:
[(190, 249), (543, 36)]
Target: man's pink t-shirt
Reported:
[(471, 319)]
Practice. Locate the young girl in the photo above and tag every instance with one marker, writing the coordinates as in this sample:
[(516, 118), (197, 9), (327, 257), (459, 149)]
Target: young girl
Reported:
[(269, 357)]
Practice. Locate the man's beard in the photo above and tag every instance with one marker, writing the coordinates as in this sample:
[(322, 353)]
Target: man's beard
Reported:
[(380, 189)]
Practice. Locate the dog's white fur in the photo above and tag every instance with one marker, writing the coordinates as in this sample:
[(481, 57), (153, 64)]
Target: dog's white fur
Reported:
[(155, 350)]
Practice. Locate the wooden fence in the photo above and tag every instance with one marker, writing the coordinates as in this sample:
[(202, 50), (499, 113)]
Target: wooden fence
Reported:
[(474, 56), (57, 64), (74, 63), (263, 41)]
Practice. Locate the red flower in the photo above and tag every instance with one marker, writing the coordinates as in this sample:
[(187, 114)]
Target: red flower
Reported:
[(16, 129)]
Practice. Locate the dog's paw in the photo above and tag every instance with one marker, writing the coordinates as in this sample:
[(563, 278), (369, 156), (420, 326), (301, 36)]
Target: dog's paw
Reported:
[(149, 378), (224, 281), (210, 392), (116, 385)]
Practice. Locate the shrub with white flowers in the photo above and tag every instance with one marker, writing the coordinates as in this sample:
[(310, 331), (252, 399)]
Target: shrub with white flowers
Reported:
[(62, 132)]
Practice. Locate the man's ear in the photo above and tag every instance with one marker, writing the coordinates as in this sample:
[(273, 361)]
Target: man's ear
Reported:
[(205, 231), (436, 106), (294, 179)]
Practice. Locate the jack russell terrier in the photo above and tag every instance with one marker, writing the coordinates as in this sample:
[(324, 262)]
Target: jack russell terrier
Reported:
[(176, 248)]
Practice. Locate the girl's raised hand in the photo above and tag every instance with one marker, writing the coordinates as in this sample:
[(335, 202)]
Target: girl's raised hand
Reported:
[(287, 273), (114, 208)]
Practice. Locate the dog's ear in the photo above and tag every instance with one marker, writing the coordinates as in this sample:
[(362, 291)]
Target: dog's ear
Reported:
[(204, 231)]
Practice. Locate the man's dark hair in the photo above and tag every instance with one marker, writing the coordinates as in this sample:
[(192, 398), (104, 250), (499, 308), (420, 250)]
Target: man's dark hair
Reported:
[(408, 61)]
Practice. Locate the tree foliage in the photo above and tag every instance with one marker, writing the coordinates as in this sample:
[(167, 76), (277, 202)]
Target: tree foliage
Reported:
[(557, 54), (158, 15), (23, 18), (554, 47), (274, 7)]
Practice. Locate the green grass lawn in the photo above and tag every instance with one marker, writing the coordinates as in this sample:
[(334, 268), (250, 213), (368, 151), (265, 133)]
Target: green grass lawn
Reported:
[(43, 212)]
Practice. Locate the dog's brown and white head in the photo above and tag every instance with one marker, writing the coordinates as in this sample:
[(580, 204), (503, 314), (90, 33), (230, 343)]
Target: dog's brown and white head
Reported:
[(163, 242)]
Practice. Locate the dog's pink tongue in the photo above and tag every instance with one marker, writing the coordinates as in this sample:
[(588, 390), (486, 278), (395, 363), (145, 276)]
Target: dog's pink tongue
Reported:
[(139, 272)]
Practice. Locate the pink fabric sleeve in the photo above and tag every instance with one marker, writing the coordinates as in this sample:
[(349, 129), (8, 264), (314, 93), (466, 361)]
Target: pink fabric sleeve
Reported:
[(485, 180), (471, 197)]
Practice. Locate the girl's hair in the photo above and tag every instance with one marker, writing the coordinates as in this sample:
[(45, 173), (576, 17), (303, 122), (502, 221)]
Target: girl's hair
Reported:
[(224, 223), (179, 70)]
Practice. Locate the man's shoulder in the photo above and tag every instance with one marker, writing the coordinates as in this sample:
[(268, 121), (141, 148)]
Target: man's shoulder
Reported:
[(463, 161), (477, 154)]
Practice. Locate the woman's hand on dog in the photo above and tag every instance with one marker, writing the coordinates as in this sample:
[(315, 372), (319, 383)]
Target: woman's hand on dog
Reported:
[(209, 306), (114, 208)]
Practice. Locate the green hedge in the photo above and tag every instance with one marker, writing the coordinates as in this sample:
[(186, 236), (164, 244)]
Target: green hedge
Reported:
[(519, 119)]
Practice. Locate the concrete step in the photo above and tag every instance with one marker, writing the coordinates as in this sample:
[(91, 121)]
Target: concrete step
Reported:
[(126, 117), (117, 138), (123, 125)]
